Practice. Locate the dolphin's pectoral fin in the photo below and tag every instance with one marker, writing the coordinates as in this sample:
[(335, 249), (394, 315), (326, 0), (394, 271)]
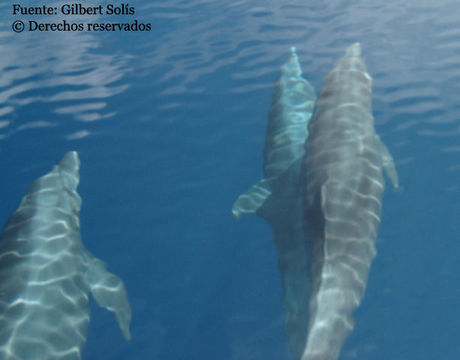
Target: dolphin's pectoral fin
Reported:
[(388, 164), (109, 292), (252, 200)]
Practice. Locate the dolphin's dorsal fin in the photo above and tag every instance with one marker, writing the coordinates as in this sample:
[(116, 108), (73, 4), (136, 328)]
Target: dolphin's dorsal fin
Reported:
[(109, 292)]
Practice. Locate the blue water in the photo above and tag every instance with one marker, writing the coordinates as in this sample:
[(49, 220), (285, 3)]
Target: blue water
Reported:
[(170, 126)]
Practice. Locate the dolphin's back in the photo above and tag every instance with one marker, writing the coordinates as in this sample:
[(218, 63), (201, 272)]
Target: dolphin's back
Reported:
[(344, 187), (41, 278), (44, 285), (290, 111), (277, 197)]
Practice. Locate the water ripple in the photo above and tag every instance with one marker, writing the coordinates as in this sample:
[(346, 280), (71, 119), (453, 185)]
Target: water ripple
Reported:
[(411, 48), (56, 69), (196, 90)]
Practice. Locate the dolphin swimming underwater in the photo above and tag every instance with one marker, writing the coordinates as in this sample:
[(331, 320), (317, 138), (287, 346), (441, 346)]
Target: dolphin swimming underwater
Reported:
[(46, 273), (277, 198), (342, 202)]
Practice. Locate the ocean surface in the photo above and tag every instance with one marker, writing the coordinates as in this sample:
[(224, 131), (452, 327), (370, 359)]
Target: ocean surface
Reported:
[(170, 126)]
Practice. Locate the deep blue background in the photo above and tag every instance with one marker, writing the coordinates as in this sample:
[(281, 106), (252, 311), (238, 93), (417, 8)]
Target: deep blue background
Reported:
[(170, 126)]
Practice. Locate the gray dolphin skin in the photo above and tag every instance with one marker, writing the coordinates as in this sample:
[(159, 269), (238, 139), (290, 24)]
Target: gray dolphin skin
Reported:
[(290, 111), (277, 198), (46, 273), (342, 202)]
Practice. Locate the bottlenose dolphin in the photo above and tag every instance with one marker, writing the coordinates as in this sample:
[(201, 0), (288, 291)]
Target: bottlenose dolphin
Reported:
[(342, 202), (277, 198), (46, 273)]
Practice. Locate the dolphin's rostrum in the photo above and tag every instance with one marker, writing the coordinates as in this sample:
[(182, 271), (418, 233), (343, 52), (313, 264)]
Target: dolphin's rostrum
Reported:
[(46, 273)]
